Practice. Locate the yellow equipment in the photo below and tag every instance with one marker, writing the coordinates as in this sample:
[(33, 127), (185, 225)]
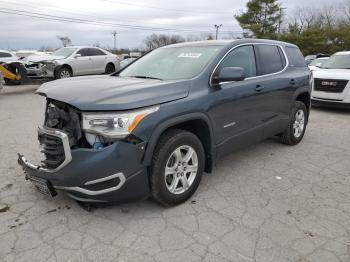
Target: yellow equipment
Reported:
[(14, 73)]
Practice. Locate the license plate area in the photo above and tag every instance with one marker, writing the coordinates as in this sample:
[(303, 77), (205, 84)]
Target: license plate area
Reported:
[(42, 185)]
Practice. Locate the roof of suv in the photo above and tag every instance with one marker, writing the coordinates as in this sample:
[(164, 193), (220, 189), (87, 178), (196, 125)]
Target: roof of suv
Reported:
[(229, 42)]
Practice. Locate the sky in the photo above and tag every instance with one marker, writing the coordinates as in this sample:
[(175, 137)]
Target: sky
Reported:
[(31, 24)]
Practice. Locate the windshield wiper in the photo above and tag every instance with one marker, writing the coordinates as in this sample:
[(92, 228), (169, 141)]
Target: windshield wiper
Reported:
[(147, 77)]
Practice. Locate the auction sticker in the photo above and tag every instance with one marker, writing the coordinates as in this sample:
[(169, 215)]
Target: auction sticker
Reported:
[(190, 55)]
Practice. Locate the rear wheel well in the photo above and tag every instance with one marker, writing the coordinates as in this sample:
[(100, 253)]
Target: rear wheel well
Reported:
[(201, 129), (304, 98)]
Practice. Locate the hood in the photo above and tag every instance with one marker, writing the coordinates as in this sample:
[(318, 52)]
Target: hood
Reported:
[(109, 93), (41, 58), (342, 74)]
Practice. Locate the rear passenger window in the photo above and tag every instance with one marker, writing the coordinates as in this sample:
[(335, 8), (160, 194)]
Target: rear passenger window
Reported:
[(271, 59), (244, 57), (95, 52), (295, 57)]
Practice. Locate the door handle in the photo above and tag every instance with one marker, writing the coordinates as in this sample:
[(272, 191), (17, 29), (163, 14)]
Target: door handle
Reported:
[(259, 88), (292, 81)]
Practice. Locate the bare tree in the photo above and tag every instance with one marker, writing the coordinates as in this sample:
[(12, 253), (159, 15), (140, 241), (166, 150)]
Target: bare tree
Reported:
[(65, 40), (154, 41)]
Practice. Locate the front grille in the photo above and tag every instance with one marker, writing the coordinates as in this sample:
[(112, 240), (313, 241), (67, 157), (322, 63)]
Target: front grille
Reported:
[(330, 85), (53, 150)]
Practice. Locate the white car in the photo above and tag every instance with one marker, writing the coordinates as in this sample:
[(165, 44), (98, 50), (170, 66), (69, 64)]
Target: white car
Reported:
[(331, 83), (72, 61), (317, 63), (7, 56)]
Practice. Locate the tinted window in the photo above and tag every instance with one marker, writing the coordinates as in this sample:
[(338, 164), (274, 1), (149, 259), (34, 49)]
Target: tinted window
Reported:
[(269, 59), (95, 52), (295, 57), (241, 57), (84, 52), (3, 54)]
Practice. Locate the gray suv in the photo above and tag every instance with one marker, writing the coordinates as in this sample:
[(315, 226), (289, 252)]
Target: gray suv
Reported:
[(154, 127)]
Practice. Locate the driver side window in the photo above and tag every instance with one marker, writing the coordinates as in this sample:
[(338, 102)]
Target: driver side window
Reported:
[(244, 57)]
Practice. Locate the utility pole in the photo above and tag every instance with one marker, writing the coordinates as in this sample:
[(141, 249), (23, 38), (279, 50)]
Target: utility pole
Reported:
[(217, 27), (280, 20), (115, 40)]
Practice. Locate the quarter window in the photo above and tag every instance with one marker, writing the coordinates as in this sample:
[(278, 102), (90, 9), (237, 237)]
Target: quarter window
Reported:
[(271, 59), (295, 57), (244, 57)]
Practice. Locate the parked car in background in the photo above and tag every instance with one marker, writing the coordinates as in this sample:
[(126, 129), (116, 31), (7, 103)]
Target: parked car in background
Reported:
[(330, 85), (7, 56), (72, 61), (317, 63), (309, 59), (153, 128), (126, 62)]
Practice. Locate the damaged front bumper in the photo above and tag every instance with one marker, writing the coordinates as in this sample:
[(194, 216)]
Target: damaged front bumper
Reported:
[(40, 70), (112, 174)]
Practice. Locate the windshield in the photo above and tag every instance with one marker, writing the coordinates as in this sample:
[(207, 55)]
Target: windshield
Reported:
[(337, 62), (318, 61), (172, 63), (65, 51)]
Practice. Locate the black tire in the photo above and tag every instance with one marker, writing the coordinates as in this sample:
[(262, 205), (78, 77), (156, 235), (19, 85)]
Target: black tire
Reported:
[(288, 137), (10, 82), (168, 143), (63, 72), (110, 68)]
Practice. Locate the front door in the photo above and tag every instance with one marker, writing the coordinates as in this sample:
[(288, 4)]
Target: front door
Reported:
[(237, 114)]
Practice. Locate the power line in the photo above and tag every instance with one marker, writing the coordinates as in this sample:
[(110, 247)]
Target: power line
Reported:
[(167, 9), (65, 11), (94, 22)]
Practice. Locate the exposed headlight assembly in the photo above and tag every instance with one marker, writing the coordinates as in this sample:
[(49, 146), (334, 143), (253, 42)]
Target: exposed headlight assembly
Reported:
[(115, 124)]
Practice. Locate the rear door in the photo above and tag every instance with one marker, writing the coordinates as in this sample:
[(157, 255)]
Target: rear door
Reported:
[(98, 60), (275, 85)]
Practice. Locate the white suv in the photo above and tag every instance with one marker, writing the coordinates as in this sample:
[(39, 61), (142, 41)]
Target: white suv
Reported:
[(331, 83), (72, 61)]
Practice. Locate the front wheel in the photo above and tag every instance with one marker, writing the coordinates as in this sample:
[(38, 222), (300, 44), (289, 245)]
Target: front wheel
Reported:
[(63, 72), (297, 124), (177, 167)]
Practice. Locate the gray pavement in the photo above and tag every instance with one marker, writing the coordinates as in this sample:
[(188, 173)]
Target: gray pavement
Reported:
[(269, 202)]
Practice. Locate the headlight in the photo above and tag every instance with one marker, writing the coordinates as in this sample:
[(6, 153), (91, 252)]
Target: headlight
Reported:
[(115, 124)]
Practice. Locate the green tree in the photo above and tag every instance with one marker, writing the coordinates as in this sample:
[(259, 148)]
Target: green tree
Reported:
[(262, 18)]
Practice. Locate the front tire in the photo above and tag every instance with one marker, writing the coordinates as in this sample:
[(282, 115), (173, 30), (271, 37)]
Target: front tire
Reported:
[(63, 72), (297, 124), (177, 167)]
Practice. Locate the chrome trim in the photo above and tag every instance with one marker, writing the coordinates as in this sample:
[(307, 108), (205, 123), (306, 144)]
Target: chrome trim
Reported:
[(118, 175), (253, 77), (66, 147), (97, 192)]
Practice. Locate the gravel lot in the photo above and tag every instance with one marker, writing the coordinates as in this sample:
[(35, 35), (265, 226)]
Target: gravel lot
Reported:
[(269, 202)]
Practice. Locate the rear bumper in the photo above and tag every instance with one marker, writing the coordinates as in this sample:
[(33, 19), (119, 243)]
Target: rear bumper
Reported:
[(329, 103), (111, 174)]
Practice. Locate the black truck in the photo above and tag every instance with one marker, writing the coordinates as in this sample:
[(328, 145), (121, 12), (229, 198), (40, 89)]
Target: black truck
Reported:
[(154, 127)]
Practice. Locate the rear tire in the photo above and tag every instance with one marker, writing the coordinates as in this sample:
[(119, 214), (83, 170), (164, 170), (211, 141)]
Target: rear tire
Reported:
[(110, 68), (177, 167), (297, 124)]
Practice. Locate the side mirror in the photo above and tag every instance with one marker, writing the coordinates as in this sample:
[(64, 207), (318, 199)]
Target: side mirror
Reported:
[(318, 64), (77, 55), (228, 74)]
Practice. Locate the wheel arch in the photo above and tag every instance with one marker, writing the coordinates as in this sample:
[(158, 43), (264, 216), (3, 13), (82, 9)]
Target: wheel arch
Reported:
[(197, 123), (64, 66)]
